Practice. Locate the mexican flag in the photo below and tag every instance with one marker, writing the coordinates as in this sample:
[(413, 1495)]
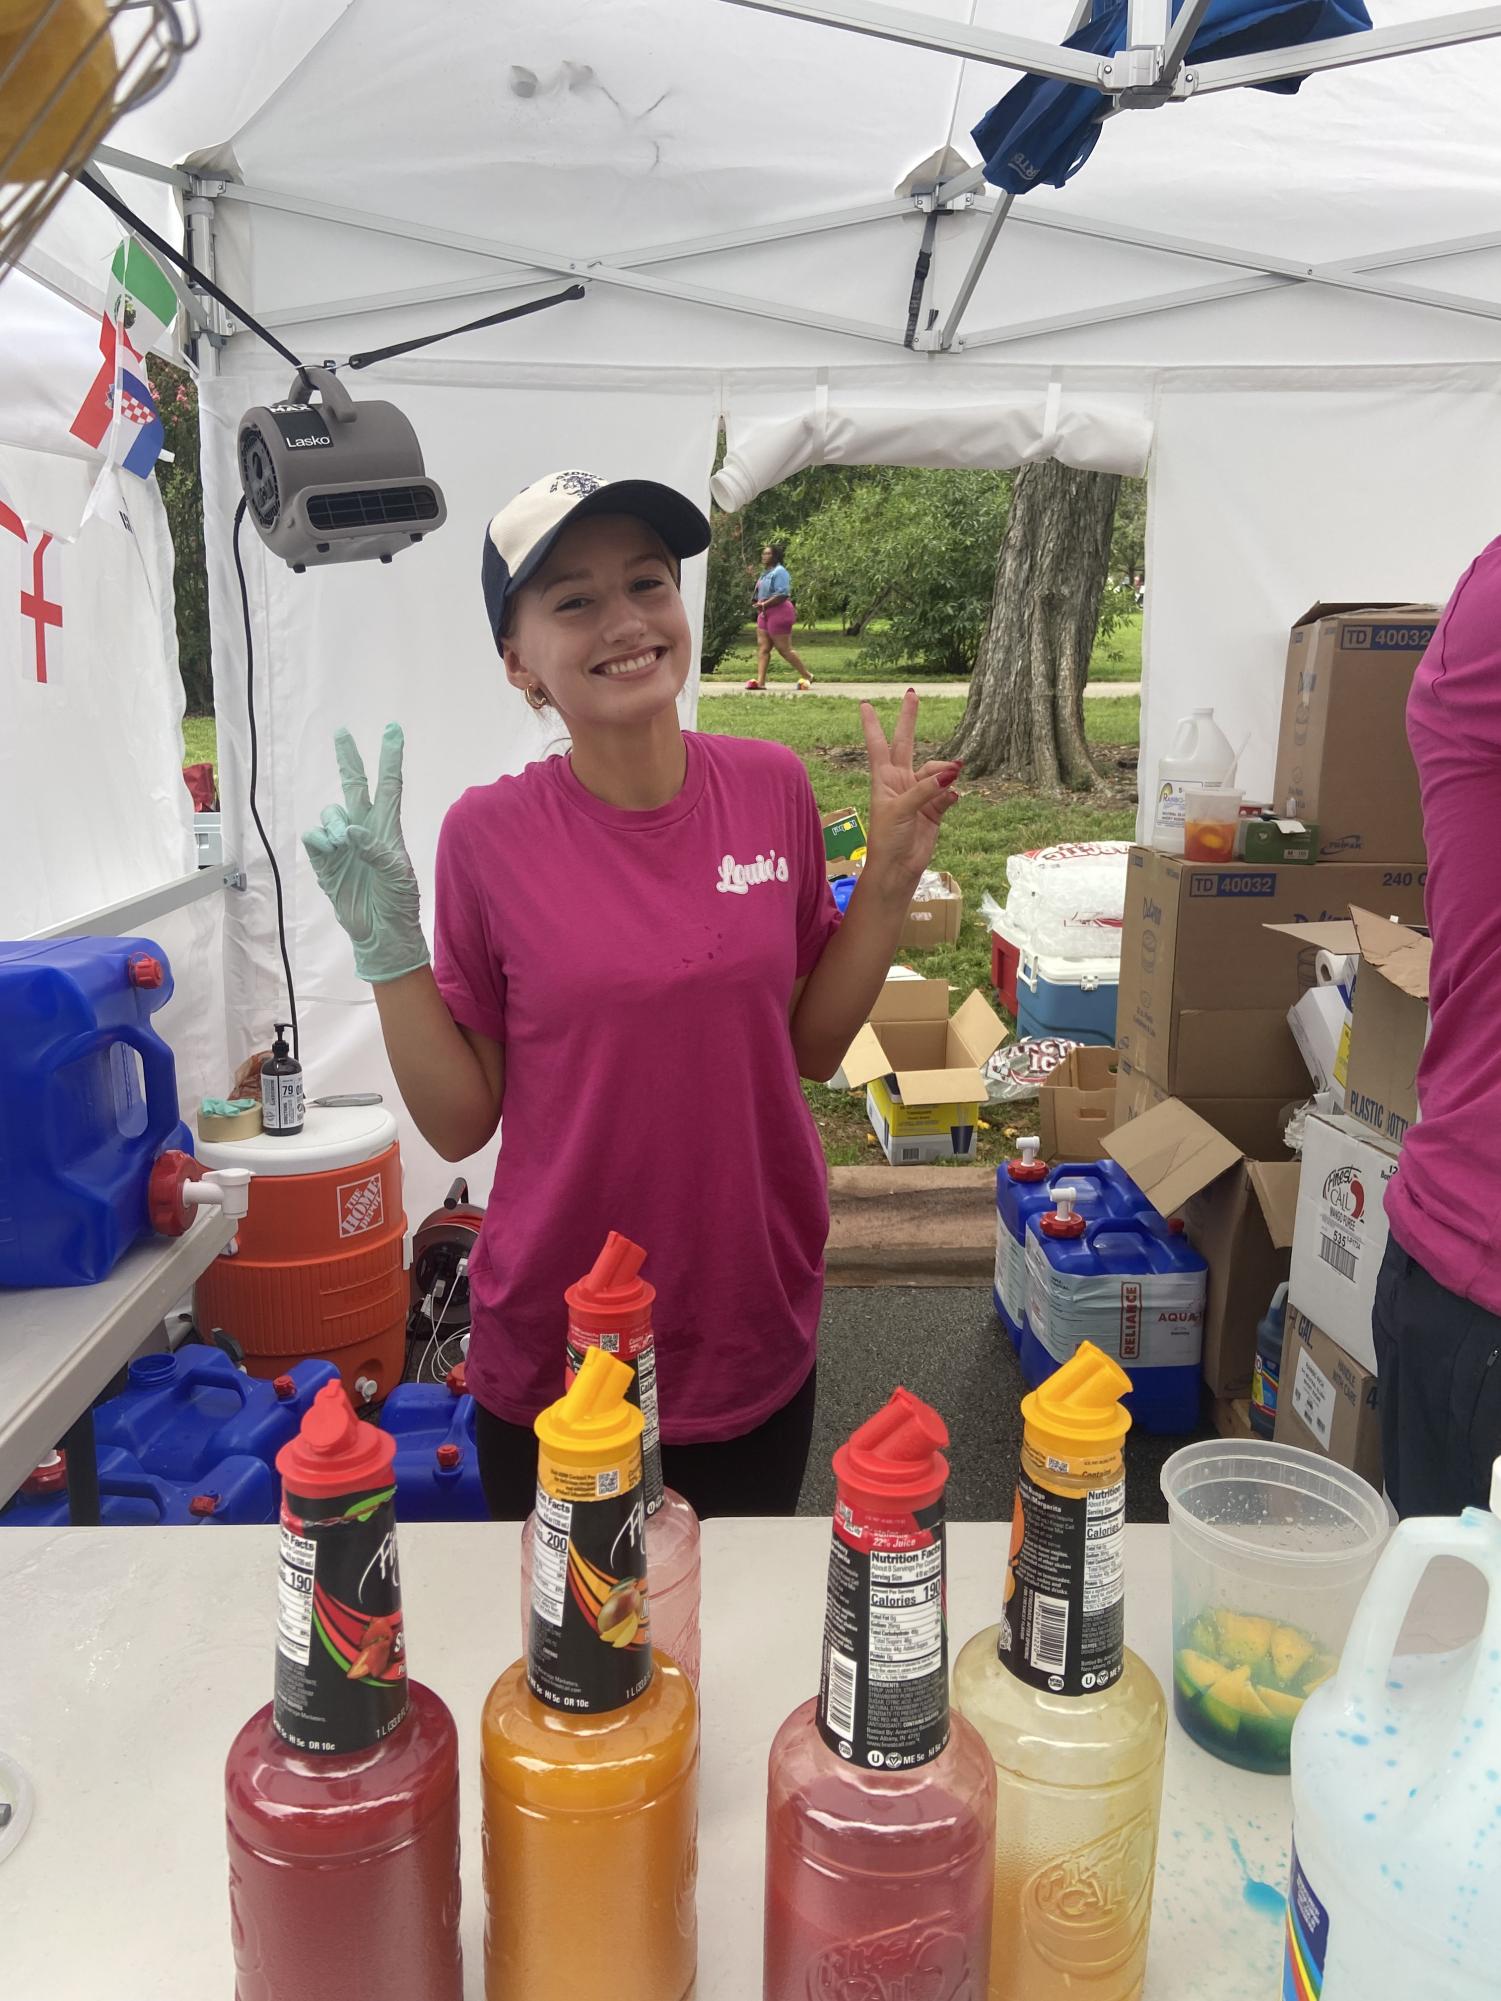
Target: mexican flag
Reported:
[(119, 413)]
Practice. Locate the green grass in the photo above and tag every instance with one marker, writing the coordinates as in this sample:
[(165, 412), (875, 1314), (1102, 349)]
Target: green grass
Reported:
[(200, 740), (833, 656)]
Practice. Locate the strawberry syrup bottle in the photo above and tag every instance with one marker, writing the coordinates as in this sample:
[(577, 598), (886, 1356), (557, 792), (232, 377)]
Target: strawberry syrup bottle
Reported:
[(610, 1308), (342, 1794), (880, 1812)]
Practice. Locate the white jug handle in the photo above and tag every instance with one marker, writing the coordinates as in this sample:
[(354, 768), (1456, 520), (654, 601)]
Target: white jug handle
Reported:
[(1366, 1661)]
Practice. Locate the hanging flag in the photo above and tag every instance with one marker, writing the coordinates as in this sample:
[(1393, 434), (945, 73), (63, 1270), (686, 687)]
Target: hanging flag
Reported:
[(141, 296), (139, 439), (96, 411)]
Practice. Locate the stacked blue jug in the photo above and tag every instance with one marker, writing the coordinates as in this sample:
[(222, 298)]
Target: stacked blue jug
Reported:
[(437, 1463), (1024, 1188), (1134, 1286)]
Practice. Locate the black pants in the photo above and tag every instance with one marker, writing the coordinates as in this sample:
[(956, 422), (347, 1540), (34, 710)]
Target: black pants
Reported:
[(1438, 1360), (759, 1473)]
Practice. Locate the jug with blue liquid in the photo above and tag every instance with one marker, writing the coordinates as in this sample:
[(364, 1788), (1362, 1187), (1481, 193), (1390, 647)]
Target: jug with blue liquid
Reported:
[(1396, 1781)]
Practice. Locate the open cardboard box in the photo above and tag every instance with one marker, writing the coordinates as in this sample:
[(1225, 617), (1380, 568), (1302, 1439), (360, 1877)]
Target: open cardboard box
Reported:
[(844, 841), (1076, 1105), (1237, 1213), (923, 1069), (1389, 1018), (933, 920)]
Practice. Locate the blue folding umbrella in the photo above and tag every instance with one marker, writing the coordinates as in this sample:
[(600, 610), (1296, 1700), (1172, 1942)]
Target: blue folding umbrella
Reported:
[(1043, 131)]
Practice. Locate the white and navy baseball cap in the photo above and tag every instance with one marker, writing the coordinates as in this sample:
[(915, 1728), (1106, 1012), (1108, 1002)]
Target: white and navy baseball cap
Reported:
[(520, 538)]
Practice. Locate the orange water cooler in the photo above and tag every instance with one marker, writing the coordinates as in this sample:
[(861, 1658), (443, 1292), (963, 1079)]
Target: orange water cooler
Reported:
[(319, 1273)]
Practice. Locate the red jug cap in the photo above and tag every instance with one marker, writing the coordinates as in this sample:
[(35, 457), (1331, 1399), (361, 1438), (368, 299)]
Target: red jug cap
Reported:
[(333, 1453), (449, 1456)]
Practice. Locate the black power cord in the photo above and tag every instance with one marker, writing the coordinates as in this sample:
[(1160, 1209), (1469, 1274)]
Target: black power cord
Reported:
[(255, 765)]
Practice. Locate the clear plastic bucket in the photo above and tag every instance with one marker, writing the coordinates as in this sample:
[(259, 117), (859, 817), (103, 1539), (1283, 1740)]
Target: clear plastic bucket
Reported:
[(1271, 1549)]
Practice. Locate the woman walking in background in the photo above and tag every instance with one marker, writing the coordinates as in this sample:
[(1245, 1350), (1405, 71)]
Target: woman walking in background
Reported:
[(776, 615)]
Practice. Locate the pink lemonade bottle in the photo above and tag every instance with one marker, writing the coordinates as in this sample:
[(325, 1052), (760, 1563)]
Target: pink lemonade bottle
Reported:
[(610, 1308), (342, 1794), (880, 1812)]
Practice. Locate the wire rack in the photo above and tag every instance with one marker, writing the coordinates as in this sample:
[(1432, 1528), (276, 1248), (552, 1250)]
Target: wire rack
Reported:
[(66, 76)]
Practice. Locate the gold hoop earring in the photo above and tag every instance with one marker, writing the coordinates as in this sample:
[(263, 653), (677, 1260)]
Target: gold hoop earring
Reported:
[(536, 696)]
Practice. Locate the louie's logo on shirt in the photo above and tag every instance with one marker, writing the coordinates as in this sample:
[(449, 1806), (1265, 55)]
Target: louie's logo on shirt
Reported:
[(737, 878)]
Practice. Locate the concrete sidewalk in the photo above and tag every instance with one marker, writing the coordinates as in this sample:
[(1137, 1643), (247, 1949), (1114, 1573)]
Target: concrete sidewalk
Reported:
[(887, 691)]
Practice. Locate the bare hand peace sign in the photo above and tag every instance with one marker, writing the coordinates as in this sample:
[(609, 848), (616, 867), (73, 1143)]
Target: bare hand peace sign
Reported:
[(906, 806)]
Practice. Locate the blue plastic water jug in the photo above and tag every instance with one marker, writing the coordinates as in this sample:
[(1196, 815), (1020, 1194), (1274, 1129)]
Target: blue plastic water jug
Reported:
[(1133, 1286), (236, 1491), (181, 1413), (437, 1465), (1023, 1188), (88, 1101)]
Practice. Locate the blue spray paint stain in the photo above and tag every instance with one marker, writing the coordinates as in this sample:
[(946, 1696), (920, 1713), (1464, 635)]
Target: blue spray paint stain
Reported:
[(1264, 1898)]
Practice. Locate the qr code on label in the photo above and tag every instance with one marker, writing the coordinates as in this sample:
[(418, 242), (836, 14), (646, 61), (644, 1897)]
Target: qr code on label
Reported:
[(607, 1482)]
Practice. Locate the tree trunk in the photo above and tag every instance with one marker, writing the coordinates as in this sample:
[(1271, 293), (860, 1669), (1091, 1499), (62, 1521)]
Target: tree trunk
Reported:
[(1025, 715)]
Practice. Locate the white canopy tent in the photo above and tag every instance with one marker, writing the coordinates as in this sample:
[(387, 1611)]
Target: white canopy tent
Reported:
[(1289, 307)]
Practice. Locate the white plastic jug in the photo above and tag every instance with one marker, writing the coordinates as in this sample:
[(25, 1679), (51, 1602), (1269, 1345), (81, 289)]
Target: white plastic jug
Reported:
[(1199, 754), (1396, 1779)]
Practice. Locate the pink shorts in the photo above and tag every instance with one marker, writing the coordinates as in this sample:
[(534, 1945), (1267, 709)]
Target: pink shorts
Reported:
[(779, 620)]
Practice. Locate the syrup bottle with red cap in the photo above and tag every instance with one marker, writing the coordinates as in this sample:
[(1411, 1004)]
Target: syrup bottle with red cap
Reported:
[(880, 1813), (342, 1793), (610, 1307)]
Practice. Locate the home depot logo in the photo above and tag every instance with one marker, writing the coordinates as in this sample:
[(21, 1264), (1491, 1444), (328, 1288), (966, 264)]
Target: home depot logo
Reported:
[(1344, 1193), (362, 1206)]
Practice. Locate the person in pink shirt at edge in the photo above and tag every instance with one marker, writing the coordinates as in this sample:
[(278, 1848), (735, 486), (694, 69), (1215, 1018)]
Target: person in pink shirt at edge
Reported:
[(637, 958), (1437, 1315)]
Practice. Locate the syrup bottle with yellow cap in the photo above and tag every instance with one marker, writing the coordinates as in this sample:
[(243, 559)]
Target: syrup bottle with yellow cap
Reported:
[(1075, 1722), (589, 1746)]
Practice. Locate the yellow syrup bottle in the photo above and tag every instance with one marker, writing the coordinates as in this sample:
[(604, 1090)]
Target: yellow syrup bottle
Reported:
[(1076, 1723), (589, 1746)]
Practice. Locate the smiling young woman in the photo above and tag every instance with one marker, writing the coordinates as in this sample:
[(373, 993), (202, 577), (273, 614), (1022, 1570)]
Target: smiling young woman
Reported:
[(637, 957)]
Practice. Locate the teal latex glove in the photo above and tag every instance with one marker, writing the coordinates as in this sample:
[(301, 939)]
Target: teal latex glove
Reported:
[(362, 865), (226, 1108)]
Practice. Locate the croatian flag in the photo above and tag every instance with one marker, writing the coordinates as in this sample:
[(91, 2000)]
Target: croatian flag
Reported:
[(140, 438), (137, 438)]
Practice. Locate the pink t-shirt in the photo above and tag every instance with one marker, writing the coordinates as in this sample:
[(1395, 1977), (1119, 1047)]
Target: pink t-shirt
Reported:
[(1445, 1202), (638, 967)]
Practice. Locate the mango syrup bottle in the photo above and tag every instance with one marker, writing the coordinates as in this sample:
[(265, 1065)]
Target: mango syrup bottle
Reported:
[(1076, 1723), (342, 1795), (589, 1746), (880, 1811), (610, 1308)]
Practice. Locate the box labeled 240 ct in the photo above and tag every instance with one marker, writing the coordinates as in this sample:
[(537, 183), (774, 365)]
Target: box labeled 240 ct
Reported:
[(1194, 946), (1339, 1237), (923, 1070), (1343, 758)]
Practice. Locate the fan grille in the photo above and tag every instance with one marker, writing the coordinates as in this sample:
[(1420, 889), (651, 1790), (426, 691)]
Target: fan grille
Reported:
[(372, 507)]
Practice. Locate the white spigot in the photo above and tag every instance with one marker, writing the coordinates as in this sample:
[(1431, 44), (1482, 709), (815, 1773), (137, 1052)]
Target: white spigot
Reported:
[(1028, 1149), (1063, 1203), (366, 1388), (226, 1188)]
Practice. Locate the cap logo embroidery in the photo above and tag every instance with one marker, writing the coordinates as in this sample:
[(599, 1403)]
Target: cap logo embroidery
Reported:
[(579, 484)]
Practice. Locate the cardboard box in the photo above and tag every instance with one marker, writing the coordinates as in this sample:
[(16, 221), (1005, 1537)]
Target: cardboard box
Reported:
[(923, 1069), (1076, 1105), (1231, 1417), (1266, 839), (843, 841), (1193, 942), (1340, 1236), (1237, 1213), (1342, 753), (934, 920), (1388, 1025), (1255, 1125), (1327, 1401)]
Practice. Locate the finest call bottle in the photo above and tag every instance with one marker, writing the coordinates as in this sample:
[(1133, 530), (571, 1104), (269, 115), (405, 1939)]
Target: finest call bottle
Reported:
[(342, 1794), (610, 1308), (589, 1745), (880, 1811), (1075, 1722)]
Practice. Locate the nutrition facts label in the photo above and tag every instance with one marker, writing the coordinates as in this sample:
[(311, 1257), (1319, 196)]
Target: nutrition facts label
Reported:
[(885, 1672), (294, 1598), (550, 1557)]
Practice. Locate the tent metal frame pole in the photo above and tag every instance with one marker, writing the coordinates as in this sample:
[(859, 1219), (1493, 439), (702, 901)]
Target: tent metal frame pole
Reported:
[(525, 258), (994, 223), (1179, 36), (1440, 31), (132, 912), (1133, 309), (137, 163), (922, 31)]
